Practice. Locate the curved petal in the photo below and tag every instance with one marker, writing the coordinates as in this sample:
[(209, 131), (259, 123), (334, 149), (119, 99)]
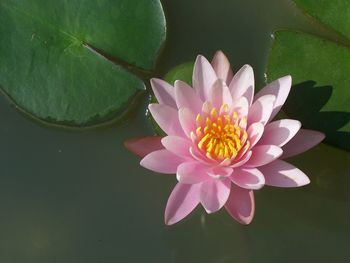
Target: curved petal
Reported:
[(218, 172), (203, 78), (282, 174), (167, 119), (280, 88), (220, 94), (192, 173), (186, 97), (163, 92), (187, 121), (261, 109), (222, 67), (178, 145), (214, 194), (263, 154), (162, 161), (245, 158), (241, 106), (242, 84), (280, 132), (241, 205), (142, 146), (255, 132), (304, 140), (248, 178), (182, 200)]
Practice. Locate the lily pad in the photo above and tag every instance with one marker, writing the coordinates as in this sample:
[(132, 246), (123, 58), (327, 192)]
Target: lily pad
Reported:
[(181, 72), (73, 62), (320, 95)]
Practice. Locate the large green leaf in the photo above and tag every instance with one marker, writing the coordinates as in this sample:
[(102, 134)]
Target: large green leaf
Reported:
[(53, 55), (332, 13), (321, 93)]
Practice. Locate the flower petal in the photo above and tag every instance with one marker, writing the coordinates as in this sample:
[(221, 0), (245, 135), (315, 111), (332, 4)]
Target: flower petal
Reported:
[(242, 84), (162, 161), (182, 200), (167, 118), (217, 172), (263, 154), (261, 109), (248, 178), (241, 205), (187, 121), (282, 174), (214, 194), (144, 145), (280, 132), (164, 92), (186, 97), (222, 67), (220, 94), (177, 145), (204, 77), (280, 88), (192, 173), (242, 160), (255, 132), (304, 140), (241, 106)]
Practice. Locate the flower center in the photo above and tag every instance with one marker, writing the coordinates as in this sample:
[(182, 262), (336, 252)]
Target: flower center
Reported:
[(219, 135)]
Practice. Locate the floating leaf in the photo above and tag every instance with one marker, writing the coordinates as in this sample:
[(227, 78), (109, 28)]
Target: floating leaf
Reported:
[(181, 72)]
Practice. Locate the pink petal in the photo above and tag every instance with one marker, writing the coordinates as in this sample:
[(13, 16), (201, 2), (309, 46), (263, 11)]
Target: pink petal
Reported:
[(242, 84), (162, 161), (248, 178), (214, 194), (280, 132), (244, 159), (192, 173), (182, 200), (220, 94), (204, 77), (301, 142), (222, 67), (186, 97), (280, 88), (177, 145), (217, 172), (167, 118), (263, 154), (144, 145), (282, 174), (255, 132), (261, 109), (187, 121), (241, 205), (164, 92), (241, 106)]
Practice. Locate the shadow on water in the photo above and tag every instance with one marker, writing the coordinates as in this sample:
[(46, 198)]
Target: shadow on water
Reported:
[(305, 103)]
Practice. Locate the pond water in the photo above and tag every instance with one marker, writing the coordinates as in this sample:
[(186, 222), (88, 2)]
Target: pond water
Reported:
[(68, 196)]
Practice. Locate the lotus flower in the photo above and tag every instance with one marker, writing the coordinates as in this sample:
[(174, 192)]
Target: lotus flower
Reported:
[(221, 141)]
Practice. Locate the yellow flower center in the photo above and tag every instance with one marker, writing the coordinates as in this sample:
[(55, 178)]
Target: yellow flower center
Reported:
[(220, 136)]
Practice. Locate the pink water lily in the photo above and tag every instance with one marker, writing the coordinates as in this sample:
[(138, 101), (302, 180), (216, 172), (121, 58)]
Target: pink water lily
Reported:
[(221, 141)]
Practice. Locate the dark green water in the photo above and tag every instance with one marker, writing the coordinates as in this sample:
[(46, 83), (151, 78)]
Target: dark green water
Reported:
[(81, 197)]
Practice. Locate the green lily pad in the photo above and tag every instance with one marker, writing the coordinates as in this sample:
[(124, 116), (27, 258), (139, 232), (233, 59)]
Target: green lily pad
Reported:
[(181, 72), (320, 95), (73, 62)]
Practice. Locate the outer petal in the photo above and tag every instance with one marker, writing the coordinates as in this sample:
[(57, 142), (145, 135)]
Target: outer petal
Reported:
[(280, 132), (144, 145), (280, 88), (204, 77), (263, 154), (301, 142), (255, 132), (164, 92), (242, 84), (220, 94), (186, 97), (162, 161), (214, 194), (182, 200), (178, 145), (220, 172), (167, 119), (261, 109), (222, 67), (282, 174), (241, 205), (241, 106), (248, 178), (192, 173), (187, 120)]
